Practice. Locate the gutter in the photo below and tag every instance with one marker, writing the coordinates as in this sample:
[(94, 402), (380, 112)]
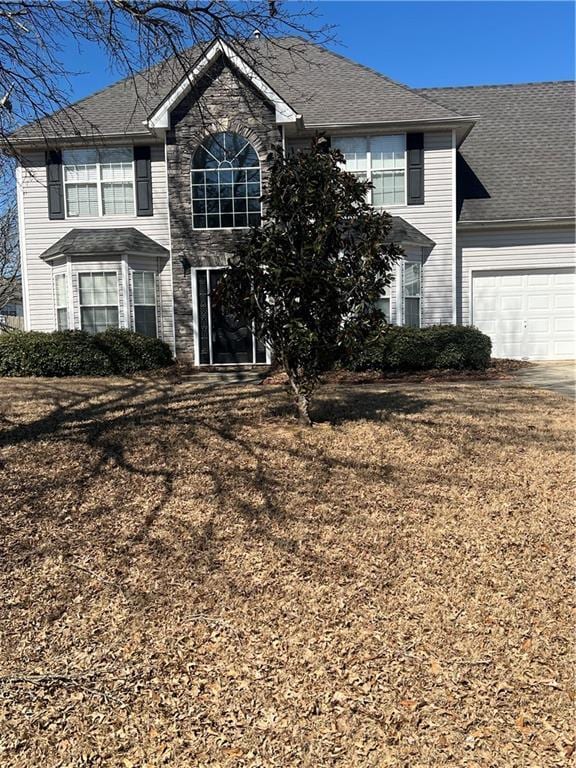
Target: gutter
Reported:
[(446, 121), (544, 221), (35, 142)]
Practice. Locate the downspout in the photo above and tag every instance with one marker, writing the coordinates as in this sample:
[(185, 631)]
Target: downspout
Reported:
[(454, 255)]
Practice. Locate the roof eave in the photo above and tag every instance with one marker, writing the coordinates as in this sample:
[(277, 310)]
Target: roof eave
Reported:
[(165, 253), (533, 222), (46, 140), (462, 125), (446, 121)]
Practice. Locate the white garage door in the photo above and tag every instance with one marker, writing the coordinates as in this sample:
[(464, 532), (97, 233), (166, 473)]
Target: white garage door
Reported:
[(527, 314)]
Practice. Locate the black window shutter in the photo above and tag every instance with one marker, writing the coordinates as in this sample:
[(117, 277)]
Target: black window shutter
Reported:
[(415, 168), (54, 184), (203, 326), (143, 170)]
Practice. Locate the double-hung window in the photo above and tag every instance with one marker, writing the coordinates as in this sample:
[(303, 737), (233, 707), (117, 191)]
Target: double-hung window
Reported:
[(412, 293), (98, 182), (98, 301), (144, 292), (61, 297), (382, 161), (383, 303)]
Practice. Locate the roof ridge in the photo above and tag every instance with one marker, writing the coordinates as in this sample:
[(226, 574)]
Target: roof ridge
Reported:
[(494, 85)]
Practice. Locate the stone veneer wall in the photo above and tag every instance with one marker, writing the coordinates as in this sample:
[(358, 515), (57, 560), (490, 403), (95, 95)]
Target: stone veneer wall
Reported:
[(222, 101)]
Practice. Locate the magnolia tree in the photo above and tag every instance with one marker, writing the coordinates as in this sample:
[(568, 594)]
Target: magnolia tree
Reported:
[(308, 279)]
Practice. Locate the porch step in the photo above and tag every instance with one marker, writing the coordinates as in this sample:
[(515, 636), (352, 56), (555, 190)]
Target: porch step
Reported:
[(222, 377)]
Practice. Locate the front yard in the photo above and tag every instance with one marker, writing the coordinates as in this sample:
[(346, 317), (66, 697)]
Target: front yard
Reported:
[(189, 579)]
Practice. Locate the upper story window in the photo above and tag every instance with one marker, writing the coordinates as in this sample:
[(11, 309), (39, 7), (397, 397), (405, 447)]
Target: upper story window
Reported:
[(382, 161), (226, 183), (98, 182)]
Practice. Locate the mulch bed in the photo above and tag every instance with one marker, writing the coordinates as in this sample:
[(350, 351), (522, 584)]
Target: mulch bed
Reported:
[(499, 369), (189, 579)]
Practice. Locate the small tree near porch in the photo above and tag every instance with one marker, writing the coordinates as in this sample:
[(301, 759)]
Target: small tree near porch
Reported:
[(309, 278)]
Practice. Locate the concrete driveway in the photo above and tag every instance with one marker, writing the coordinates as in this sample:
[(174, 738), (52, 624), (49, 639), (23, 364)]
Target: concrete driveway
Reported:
[(560, 377)]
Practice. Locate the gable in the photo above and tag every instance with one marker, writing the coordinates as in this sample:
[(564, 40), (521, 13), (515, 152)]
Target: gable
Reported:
[(160, 117)]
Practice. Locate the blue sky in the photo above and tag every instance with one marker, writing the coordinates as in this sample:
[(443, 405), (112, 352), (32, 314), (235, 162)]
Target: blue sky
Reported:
[(426, 43)]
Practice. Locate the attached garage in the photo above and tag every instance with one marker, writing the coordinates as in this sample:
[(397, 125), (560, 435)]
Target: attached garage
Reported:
[(518, 286), (528, 314)]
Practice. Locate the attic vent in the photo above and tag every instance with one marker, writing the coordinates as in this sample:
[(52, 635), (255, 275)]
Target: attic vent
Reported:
[(257, 34)]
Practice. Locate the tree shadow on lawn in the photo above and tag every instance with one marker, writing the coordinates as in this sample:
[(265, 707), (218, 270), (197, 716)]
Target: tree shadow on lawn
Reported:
[(101, 427), (230, 456)]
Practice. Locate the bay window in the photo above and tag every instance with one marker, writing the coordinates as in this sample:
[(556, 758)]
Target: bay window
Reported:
[(98, 292), (98, 182), (412, 287), (144, 292), (380, 160), (61, 301)]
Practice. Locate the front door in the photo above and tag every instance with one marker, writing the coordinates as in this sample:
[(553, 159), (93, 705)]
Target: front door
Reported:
[(221, 340), (231, 343)]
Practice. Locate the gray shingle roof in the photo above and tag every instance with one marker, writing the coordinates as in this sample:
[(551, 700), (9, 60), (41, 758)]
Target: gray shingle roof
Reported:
[(403, 232), (103, 242), (325, 87), (518, 160)]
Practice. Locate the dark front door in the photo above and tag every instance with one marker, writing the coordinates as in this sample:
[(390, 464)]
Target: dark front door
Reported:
[(221, 339), (231, 343)]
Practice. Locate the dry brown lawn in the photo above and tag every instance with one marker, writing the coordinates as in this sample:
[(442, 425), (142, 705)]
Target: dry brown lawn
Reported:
[(190, 579)]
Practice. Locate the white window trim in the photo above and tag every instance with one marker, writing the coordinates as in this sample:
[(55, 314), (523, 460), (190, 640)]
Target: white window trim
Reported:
[(81, 306), (61, 272), (155, 304), (195, 329), (98, 183), (387, 294), (406, 262), (369, 170)]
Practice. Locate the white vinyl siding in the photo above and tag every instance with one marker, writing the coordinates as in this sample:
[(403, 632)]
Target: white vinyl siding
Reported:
[(38, 232), (98, 182)]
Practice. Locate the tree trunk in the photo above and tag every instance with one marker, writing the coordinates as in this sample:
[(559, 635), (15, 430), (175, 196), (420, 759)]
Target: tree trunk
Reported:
[(302, 397), (303, 403)]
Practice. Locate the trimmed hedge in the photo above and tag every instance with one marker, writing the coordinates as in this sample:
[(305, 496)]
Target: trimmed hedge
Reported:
[(77, 353), (399, 348)]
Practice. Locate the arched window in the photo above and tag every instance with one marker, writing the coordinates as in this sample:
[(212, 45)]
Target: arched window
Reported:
[(225, 183)]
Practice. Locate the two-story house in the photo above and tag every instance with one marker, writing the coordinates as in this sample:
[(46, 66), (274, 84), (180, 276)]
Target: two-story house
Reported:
[(132, 201)]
